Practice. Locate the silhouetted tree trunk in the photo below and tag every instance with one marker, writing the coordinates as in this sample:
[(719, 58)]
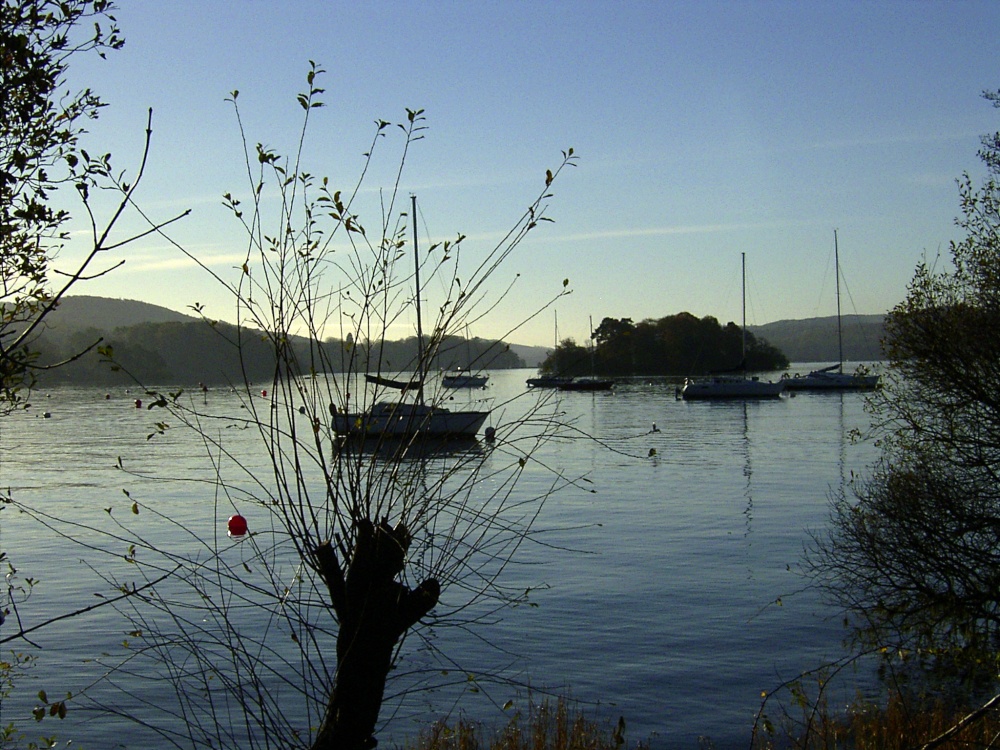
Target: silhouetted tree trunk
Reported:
[(374, 610)]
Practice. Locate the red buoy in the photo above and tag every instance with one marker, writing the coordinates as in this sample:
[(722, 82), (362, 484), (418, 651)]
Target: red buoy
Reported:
[(263, 394), (138, 403), (237, 525)]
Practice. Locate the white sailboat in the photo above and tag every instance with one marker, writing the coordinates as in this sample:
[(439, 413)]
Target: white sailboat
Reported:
[(406, 419), (725, 386), (833, 377)]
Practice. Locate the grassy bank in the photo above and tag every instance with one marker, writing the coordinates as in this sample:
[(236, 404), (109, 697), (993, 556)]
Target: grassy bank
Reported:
[(931, 724), (897, 725), (546, 726)]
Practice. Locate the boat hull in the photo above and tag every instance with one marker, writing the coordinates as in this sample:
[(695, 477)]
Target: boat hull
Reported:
[(392, 383), (548, 381), (401, 420), (464, 381), (730, 388)]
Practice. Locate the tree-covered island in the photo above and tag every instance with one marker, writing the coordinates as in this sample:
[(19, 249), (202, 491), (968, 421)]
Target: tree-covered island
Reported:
[(675, 345)]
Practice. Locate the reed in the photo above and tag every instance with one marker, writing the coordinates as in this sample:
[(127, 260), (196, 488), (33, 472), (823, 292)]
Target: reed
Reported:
[(898, 724), (546, 726)]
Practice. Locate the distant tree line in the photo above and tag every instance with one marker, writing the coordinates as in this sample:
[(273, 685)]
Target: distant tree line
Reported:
[(217, 353), (675, 345)]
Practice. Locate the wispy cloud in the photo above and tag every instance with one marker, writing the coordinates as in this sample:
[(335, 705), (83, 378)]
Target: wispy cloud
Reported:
[(146, 264), (668, 231)]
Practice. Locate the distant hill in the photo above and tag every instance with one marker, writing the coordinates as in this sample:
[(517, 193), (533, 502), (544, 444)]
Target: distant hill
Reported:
[(82, 312), (809, 340), (532, 355), (153, 344), (815, 339)]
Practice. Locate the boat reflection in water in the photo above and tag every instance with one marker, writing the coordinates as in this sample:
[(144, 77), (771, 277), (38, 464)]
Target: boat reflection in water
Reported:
[(587, 384), (416, 448)]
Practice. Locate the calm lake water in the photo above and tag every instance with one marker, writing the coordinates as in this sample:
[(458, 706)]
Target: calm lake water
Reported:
[(667, 594)]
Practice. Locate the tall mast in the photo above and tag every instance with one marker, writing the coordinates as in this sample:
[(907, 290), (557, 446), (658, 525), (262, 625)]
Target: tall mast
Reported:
[(416, 279), (590, 320), (743, 364), (836, 268)]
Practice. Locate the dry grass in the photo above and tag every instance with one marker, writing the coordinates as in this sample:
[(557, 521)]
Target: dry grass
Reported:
[(897, 725), (546, 727)]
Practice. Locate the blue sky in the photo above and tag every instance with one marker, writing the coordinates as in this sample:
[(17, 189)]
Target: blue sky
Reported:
[(704, 130)]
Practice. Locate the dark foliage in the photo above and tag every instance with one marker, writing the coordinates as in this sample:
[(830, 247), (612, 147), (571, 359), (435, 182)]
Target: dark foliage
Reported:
[(676, 345), (916, 555), (40, 128)]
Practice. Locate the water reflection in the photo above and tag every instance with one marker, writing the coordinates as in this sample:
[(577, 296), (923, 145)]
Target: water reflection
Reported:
[(644, 561), (748, 486), (411, 449)]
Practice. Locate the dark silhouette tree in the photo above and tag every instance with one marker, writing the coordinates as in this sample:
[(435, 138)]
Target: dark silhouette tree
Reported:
[(40, 151), (676, 345), (294, 633), (915, 557), (567, 359), (615, 343)]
